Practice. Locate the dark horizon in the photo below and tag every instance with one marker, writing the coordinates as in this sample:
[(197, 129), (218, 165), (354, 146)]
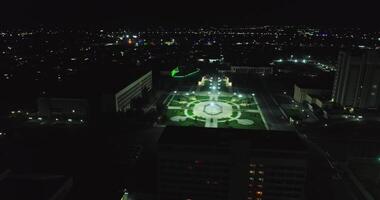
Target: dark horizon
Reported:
[(195, 13)]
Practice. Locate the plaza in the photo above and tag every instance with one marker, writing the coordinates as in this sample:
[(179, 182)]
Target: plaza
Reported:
[(213, 108)]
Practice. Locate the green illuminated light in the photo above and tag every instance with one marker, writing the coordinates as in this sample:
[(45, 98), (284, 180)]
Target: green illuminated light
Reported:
[(174, 72)]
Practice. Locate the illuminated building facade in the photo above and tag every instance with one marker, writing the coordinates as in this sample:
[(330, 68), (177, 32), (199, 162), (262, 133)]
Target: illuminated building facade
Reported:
[(357, 80), (230, 164), (124, 97)]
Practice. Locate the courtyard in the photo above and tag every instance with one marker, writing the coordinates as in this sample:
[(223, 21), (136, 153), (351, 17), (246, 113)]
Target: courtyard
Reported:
[(213, 109)]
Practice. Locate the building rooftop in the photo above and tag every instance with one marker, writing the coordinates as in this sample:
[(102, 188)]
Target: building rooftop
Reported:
[(350, 130), (259, 139)]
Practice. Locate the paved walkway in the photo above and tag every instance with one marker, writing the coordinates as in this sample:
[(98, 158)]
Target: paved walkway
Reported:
[(211, 123), (174, 107)]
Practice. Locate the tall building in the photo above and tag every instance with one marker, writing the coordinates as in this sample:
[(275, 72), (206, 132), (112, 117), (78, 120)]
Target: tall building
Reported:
[(357, 80), (201, 163)]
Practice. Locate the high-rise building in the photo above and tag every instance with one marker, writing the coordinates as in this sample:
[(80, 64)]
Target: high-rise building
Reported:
[(357, 80), (201, 163)]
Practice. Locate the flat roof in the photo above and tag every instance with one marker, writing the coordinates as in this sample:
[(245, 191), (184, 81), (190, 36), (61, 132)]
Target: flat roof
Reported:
[(259, 139)]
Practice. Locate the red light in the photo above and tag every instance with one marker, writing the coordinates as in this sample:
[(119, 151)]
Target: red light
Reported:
[(197, 161)]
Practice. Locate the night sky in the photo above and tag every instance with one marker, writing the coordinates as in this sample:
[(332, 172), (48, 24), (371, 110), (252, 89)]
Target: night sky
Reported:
[(206, 12)]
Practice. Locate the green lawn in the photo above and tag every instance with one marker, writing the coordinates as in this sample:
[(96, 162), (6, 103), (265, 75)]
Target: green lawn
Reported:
[(202, 98), (187, 122), (175, 112), (249, 107), (228, 99)]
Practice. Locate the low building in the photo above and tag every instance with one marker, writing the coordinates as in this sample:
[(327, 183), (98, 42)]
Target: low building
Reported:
[(248, 70), (101, 93), (252, 70), (312, 93), (51, 107), (201, 163)]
